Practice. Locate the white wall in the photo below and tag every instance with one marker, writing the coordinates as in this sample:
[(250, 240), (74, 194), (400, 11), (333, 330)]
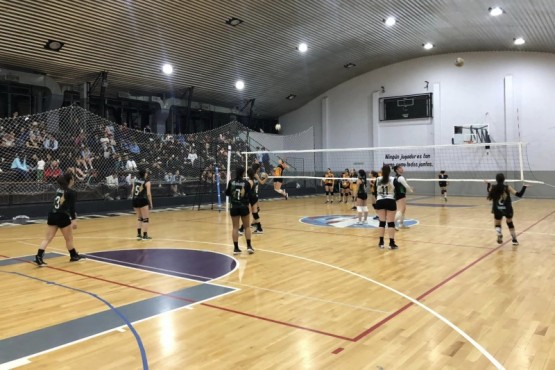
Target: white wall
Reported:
[(492, 87)]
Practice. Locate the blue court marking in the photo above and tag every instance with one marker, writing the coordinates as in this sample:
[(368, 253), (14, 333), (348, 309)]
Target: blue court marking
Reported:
[(347, 221), (41, 340), (48, 337), (15, 261)]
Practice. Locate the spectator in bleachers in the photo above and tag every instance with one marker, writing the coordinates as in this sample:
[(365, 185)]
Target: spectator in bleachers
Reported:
[(130, 164), (33, 142), (134, 148), (20, 167), (87, 157), (40, 164), (52, 172), (111, 186), (50, 143), (8, 140), (147, 129)]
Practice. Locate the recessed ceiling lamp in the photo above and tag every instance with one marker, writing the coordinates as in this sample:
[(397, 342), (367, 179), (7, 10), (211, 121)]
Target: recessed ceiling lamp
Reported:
[(428, 46), (518, 41), (239, 85), (291, 96), (302, 47), (390, 21), (53, 45), (349, 65), (495, 11), (167, 69), (233, 22)]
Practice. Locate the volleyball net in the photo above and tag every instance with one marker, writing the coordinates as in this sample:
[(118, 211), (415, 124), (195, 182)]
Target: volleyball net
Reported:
[(464, 163)]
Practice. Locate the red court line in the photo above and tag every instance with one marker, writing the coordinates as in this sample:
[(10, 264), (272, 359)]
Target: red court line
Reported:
[(192, 301), (434, 288)]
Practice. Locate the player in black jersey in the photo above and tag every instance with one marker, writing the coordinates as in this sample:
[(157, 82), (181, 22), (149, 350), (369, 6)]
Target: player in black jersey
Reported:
[(142, 202), (443, 183), (61, 215), (373, 191), (362, 197), (500, 195), (238, 190), (255, 181)]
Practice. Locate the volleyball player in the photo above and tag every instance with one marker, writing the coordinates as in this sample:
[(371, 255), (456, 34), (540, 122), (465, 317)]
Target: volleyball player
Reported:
[(278, 180), (443, 183), (362, 198), (401, 187), (142, 202), (386, 206), (239, 191), (61, 216), (500, 195), (353, 186), (328, 185), (345, 186), (373, 177), (255, 182)]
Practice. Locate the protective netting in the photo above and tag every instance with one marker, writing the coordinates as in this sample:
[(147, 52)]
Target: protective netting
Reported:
[(104, 156)]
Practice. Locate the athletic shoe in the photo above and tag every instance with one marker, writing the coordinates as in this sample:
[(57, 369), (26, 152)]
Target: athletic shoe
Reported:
[(258, 231), (499, 239), (354, 208), (376, 218), (287, 196), (445, 199), (237, 251), (254, 224), (515, 242), (241, 232), (139, 237), (39, 261), (147, 237), (76, 258), (393, 246), (381, 246), (250, 250), (396, 227)]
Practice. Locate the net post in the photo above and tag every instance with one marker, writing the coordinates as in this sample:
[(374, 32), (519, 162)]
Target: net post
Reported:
[(521, 162), (217, 175), (228, 175)]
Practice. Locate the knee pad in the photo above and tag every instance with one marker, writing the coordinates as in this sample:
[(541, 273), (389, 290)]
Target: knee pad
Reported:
[(382, 224), (365, 209), (442, 191), (391, 224), (331, 193), (140, 219), (510, 225), (255, 215), (145, 220), (359, 209), (327, 193)]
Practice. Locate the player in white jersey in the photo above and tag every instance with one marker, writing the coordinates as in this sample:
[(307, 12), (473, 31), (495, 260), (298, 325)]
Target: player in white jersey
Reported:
[(386, 206)]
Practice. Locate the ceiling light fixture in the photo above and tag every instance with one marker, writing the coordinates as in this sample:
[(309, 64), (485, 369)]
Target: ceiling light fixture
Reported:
[(349, 65), (233, 22), (390, 21), (167, 69), (518, 41), (291, 96), (53, 45), (239, 85), (302, 47), (428, 46), (495, 11)]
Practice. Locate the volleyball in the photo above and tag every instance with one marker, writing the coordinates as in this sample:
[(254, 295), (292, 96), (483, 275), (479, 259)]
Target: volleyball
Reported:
[(459, 62)]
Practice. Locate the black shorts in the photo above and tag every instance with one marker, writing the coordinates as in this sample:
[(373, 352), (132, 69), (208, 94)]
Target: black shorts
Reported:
[(242, 211), (348, 187), (278, 179), (362, 196), (387, 204), (442, 184), (253, 201), (498, 214), (58, 219), (400, 196), (139, 202)]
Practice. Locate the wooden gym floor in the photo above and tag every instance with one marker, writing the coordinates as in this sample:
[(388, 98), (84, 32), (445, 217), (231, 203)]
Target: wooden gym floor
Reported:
[(319, 296)]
